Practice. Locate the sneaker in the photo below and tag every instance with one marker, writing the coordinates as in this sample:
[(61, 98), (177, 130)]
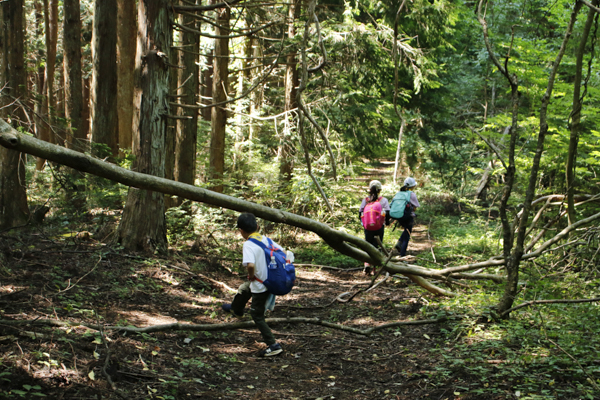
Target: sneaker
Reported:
[(227, 308), (272, 350)]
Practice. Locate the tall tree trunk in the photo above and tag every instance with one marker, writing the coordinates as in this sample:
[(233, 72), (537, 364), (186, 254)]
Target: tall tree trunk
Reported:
[(126, 43), (286, 152), (143, 224), (85, 110), (103, 118), (48, 102), (170, 132), (187, 129), (255, 104), (40, 71), (220, 88), (397, 162), (72, 73), (207, 86), (13, 74), (512, 262), (576, 117)]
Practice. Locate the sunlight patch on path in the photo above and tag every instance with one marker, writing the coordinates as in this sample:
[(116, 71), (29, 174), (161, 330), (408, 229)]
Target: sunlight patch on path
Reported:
[(142, 319)]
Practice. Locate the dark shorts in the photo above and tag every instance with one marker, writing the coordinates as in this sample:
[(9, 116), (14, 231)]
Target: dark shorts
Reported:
[(370, 236)]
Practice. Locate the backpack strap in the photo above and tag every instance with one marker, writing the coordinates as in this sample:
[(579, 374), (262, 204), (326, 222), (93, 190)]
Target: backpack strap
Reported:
[(258, 242), (267, 249)]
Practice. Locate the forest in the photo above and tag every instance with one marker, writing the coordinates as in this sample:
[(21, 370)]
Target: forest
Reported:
[(133, 133)]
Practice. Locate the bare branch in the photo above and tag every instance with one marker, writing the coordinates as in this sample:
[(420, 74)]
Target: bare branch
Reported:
[(208, 35), (210, 7), (492, 146), (590, 5), (557, 301)]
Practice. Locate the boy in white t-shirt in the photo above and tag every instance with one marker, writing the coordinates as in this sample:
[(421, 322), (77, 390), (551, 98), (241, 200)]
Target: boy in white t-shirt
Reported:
[(256, 264)]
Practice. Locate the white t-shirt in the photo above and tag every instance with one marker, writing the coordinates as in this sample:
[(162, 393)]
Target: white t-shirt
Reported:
[(253, 253)]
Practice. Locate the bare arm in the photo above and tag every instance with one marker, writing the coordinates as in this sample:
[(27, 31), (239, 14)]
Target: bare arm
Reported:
[(250, 269)]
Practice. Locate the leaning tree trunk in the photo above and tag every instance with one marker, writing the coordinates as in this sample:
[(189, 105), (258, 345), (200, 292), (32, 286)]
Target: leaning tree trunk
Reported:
[(219, 113), (343, 242), (13, 197), (143, 224), (103, 118)]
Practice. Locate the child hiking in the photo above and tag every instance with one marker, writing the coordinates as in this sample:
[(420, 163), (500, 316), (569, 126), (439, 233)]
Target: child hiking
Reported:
[(402, 210), (255, 261), (374, 215)]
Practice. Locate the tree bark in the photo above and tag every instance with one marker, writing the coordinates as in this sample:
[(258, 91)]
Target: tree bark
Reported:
[(220, 89), (51, 24), (171, 130), (187, 129), (292, 80), (402, 125), (207, 87), (86, 84), (576, 117), (126, 45), (72, 73), (13, 196), (143, 224), (103, 118), (40, 71)]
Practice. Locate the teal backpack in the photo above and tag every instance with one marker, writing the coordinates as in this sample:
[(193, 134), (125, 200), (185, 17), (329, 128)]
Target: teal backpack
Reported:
[(401, 206)]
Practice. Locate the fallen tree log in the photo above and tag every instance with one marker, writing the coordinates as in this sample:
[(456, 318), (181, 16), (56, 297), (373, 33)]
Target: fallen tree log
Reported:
[(342, 242)]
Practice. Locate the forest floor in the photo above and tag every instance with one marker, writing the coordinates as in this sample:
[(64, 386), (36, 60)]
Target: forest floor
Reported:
[(83, 282), (48, 279)]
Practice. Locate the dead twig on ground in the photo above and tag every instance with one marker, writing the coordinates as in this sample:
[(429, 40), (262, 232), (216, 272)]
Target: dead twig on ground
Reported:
[(79, 280), (371, 286)]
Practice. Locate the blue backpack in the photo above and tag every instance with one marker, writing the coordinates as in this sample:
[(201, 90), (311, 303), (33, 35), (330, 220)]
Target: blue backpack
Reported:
[(401, 207), (281, 276)]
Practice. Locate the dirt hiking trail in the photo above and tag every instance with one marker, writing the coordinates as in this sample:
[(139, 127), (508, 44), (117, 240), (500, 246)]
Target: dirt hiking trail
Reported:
[(70, 282), (47, 282)]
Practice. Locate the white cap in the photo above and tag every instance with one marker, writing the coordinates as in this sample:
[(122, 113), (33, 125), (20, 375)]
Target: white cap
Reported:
[(377, 184), (410, 182)]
